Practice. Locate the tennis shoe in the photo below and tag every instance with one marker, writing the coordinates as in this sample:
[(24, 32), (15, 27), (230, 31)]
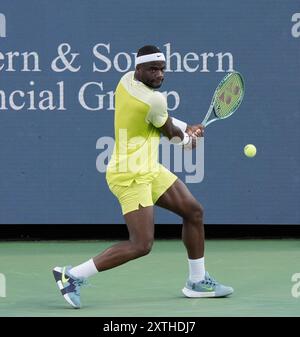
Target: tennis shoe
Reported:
[(69, 285), (208, 287)]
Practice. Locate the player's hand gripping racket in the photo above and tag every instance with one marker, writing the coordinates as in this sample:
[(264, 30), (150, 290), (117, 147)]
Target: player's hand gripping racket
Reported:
[(227, 98)]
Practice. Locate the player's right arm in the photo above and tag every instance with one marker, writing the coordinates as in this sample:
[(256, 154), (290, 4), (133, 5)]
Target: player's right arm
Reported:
[(158, 117), (176, 131), (170, 130), (177, 135)]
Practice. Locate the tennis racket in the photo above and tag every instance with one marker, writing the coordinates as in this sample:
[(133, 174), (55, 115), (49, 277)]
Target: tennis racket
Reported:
[(226, 99)]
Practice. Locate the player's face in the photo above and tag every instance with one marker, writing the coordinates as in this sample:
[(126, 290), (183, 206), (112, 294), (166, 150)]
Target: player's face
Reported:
[(152, 73)]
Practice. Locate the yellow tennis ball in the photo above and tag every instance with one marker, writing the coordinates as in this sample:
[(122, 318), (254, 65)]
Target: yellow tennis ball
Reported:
[(250, 150)]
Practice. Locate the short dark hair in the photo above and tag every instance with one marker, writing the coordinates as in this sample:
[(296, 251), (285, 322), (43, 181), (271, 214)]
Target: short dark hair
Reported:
[(146, 50)]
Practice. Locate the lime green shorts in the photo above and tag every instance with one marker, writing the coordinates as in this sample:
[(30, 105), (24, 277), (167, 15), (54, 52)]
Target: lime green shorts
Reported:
[(144, 194)]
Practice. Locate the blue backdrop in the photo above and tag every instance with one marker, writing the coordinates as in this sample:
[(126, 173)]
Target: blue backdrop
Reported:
[(48, 151)]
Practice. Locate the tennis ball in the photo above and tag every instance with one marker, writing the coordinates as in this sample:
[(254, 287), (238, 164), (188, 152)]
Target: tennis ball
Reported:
[(250, 150)]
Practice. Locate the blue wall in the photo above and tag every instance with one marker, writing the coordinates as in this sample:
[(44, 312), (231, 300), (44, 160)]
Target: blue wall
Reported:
[(48, 157)]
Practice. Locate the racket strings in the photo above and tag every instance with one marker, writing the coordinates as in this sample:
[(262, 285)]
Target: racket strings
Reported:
[(229, 96)]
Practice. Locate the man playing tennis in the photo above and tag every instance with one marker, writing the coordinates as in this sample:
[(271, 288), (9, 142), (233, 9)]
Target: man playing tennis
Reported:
[(136, 178)]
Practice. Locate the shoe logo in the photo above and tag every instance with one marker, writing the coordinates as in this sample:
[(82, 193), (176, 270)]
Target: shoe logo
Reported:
[(63, 278), (207, 288)]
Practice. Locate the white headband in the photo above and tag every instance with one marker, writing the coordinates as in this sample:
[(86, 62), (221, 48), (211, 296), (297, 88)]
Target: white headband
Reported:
[(149, 58)]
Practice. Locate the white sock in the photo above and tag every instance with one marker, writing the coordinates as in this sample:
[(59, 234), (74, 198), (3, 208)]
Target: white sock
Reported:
[(197, 270), (85, 269)]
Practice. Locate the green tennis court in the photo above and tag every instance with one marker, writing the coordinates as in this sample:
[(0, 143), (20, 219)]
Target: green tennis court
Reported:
[(259, 270)]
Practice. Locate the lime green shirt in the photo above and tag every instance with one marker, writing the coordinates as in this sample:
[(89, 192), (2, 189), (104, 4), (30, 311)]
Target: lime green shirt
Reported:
[(139, 111)]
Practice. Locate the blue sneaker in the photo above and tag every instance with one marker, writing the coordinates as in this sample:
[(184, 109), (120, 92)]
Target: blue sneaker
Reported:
[(69, 285), (208, 287)]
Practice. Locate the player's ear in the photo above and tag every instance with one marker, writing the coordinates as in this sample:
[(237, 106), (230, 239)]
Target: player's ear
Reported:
[(138, 72), (138, 68)]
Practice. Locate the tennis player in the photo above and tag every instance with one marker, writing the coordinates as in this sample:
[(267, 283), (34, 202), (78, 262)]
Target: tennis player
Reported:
[(139, 181)]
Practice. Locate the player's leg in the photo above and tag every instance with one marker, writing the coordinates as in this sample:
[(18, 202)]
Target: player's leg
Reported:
[(179, 200), (141, 233), (137, 208)]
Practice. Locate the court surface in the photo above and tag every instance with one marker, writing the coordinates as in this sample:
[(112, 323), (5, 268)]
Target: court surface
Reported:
[(260, 271)]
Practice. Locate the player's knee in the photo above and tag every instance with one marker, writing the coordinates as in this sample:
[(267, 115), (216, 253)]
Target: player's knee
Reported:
[(195, 212), (144, 248), (198, 213)]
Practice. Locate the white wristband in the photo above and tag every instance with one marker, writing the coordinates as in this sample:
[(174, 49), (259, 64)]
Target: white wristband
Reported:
[(180, 124), (187, 142), (186, 139), (177, 140)]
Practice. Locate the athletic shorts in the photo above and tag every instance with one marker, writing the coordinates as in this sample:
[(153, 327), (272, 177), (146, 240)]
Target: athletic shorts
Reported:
[(144, 194)]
